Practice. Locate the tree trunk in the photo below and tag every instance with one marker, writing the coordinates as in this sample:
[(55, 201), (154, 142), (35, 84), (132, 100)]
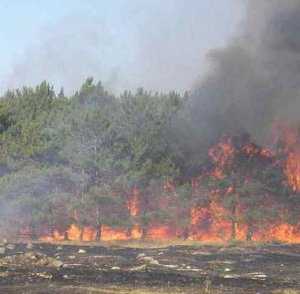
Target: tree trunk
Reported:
[(185, 233), (81, 234), (145, 205), (52, 231), (129, 233), (249, 232), (233, 221), (34, 236), (98, 233), (144, 233), (66, 236), (33, 232), (233, 230), (99, 224)]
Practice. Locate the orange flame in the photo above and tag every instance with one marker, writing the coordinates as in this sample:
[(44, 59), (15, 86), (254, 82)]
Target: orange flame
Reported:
[(162, 232), (74, 233), (292, 169), (291, 148), (134, 202), (285, 233), (210, 222), (221, 154), (55, 237), (111, 234)]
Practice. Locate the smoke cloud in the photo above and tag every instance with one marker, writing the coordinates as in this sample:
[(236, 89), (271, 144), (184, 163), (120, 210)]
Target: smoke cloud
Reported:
[(250, 83), (66, 54), (255, 80), (158, 45)]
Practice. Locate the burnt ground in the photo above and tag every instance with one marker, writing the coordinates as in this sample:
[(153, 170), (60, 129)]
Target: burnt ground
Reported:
[(50, 268)]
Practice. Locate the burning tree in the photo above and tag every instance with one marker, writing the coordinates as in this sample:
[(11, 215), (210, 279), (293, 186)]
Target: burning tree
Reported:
[(104, 167)]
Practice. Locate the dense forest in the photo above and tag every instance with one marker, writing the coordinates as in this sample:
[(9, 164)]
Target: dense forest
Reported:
[(219, 162), (139, 163)]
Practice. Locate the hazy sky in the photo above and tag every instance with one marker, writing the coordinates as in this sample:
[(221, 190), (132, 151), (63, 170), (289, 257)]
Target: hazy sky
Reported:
[(158, 44)]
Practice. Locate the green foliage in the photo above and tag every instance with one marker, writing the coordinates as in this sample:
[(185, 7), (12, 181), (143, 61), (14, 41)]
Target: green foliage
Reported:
[(76, 159)]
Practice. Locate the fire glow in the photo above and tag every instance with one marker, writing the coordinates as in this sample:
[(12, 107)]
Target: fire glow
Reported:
[(211, 222)]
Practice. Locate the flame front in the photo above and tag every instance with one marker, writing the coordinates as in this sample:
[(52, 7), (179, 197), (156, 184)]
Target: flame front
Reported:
[(210, 221)]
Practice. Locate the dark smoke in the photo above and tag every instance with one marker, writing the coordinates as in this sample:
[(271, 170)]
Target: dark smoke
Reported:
[(255, 80)]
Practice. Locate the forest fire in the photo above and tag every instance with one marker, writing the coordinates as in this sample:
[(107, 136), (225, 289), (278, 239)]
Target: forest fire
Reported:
[(293, 170), (290, 142), (172, 172), (133, 202), (219, 221), (161, 232), (207, 226), (215, 220), (221, 154)]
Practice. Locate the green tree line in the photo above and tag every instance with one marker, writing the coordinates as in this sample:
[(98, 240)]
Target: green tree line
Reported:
[(75, 160)]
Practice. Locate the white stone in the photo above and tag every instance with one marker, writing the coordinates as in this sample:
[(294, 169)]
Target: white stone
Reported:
[(11, 246), (141, 255)]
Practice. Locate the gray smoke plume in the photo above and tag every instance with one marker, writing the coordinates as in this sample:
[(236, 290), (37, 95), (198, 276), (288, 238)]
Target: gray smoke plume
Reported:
[(158, 45), (255, 80), (66, 54)]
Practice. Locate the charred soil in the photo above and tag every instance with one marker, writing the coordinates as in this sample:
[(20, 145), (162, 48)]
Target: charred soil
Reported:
[(52, 268)]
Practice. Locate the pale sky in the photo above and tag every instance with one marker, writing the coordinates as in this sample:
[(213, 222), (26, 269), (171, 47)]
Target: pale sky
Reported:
[(160, 45)]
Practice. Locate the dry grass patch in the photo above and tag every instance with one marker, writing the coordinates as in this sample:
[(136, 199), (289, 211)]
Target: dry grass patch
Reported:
[(287, 291)]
